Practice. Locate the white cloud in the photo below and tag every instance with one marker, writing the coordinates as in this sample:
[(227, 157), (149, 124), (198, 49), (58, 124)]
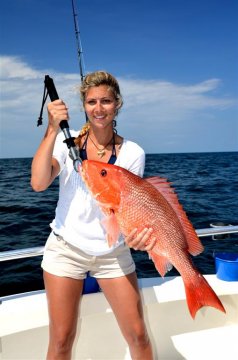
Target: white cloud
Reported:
[(161, 104), (22, 87), (190, 97), (14, 67)]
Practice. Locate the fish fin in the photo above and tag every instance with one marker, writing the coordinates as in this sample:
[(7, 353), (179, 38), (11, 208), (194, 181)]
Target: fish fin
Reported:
[(161, 263), (111, 226), (159, 182), (195, 246), (199, 293)]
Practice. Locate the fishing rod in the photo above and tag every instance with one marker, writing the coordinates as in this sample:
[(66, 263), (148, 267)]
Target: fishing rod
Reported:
[(78, 42), (69, 140), (51, 91), (79, 47)]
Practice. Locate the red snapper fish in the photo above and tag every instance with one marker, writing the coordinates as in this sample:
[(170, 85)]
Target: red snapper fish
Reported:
[(130, 202)]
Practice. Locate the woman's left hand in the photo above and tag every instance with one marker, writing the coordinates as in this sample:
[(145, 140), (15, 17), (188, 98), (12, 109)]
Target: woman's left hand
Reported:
[(143, 241)]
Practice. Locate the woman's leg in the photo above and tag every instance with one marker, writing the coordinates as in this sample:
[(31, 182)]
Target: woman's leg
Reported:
[(124, 298), (63, 295)]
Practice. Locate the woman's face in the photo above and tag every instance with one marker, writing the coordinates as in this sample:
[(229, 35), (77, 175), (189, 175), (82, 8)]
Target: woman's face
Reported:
[(100, 105)]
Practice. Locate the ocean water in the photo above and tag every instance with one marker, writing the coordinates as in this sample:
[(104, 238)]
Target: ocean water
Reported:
[(206, 184)]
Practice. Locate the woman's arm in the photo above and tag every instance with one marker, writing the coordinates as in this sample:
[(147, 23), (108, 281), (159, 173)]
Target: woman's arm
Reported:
[(44, 167)]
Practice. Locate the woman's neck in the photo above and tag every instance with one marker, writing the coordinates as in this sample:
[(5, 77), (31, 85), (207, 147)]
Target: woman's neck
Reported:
[(102, 137)]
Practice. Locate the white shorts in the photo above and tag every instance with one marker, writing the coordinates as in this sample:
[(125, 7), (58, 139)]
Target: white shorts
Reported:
[(63, 259)]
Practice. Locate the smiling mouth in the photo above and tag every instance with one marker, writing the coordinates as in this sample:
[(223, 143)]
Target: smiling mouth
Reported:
[(99, 117)]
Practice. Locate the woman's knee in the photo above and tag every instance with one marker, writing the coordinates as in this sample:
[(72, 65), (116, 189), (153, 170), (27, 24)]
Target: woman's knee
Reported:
[(138, 336), (61, 340)]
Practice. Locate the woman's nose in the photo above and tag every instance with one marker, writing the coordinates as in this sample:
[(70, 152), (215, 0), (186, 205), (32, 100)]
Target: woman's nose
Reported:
[(98, 105)]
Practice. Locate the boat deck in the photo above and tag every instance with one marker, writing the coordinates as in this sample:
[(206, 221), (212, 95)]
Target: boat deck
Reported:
[(174, 334)]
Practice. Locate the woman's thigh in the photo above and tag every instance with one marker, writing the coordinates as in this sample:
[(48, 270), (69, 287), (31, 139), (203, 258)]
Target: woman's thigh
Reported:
[(63, 296), (124, 297)]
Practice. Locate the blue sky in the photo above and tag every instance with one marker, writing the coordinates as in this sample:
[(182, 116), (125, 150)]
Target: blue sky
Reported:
[(176, 62)]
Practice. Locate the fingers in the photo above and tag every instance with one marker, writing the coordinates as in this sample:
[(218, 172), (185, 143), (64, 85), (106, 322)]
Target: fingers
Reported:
[(142, 238), (143, 241), (151, 244), (57, 111), (129, 239)]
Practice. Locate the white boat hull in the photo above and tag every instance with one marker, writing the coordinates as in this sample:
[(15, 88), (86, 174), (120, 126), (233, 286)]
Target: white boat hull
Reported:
[(174, 334)]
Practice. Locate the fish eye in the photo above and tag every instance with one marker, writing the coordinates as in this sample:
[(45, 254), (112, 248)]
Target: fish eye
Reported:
[(103, 172)]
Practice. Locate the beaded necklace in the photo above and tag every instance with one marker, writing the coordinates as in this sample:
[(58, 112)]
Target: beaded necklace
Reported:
[(83, 150), (101, 152)]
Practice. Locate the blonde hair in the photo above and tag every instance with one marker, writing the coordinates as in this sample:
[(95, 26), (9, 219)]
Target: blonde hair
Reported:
[(98, 78)]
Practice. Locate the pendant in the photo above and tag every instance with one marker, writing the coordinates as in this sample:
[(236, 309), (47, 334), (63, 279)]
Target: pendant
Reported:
[(101, 153)]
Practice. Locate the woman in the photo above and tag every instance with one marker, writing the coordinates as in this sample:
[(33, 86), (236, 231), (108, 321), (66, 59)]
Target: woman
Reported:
[(77, 243)]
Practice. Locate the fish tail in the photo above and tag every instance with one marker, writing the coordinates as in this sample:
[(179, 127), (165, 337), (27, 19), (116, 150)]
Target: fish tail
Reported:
[(199, 293)]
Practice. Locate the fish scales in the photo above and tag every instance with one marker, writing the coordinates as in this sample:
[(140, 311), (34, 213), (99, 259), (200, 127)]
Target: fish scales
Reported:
[(146, 207)]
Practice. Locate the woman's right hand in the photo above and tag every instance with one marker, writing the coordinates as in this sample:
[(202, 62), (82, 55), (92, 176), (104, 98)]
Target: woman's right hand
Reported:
[(45, 167), (57, 111)]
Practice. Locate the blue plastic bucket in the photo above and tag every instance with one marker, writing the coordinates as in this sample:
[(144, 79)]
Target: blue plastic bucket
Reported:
[(227, 266), (90, 285)]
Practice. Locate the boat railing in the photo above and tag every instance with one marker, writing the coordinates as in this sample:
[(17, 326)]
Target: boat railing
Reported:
[(38, 251)]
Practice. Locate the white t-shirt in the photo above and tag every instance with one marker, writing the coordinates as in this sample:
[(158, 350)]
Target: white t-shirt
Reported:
[(78, 216)]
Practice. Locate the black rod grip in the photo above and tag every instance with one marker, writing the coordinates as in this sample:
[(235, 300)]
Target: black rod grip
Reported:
[(50, 86)]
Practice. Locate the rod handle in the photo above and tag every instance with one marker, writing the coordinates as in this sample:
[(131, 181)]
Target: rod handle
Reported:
[(54, 96), (64, 125)]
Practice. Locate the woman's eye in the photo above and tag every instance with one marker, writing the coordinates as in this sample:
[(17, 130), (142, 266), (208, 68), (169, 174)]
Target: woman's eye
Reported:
[(106, 101), (91, 102)]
